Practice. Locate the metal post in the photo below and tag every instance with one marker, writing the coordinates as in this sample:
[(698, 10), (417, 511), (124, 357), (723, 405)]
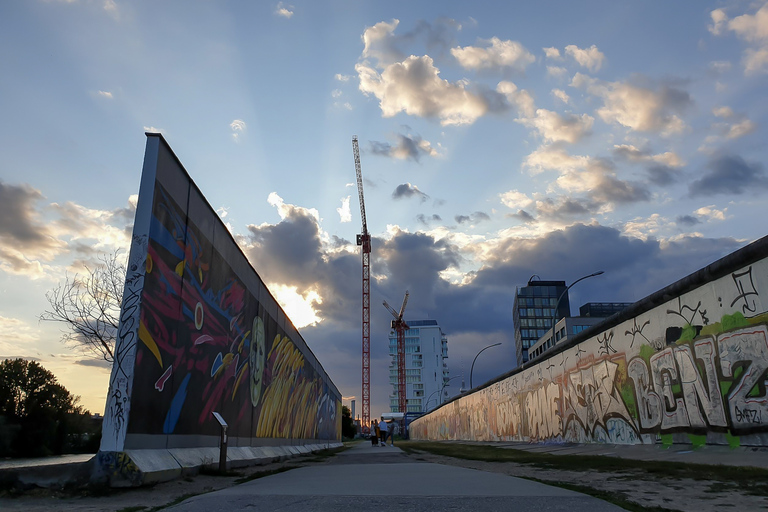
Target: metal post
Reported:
[(223, 450)]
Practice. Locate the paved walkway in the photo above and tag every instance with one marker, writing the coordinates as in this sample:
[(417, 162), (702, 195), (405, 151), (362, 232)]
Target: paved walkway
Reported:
[(370, 478)]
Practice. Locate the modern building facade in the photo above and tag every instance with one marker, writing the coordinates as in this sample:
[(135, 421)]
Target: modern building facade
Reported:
[(564, 329), (591, 313), (602, 309), (426, 366), (533, 311)]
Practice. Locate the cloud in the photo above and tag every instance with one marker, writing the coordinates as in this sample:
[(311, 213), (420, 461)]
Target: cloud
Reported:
[(406, 190), (638, 107), (414, 86), (554, 127), (519, 98), (688, 220), (740, 126), (472, 218), (515, 199), (561, 95), (380, 42), (633, 154), (594, 177), (238, 126), (553, 157), (729, 174), (284, 10), (556, 71), (564, 208), (344, 213), (711, 213), (105, 94), (752, 28), (341, 78), (25, 238), (523, 216), (152, 129), (408, 147), (96, 363), (590, 58), (428, 219), (497, 54), (552, 53), (662, 175)]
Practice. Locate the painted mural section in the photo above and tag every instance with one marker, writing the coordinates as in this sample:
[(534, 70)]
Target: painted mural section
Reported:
[(691, 370), (201, 333)]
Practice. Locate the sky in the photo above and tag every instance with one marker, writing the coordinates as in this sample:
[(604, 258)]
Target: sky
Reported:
[(499, 140)]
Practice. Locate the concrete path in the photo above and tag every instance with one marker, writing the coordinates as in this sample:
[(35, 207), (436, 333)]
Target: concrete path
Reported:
[(372, 478)]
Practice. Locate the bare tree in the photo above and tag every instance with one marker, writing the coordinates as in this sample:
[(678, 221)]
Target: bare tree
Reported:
[(89, 305)]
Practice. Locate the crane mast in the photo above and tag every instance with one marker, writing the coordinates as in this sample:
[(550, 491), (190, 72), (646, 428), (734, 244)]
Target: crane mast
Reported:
[(364, 240), (399, 325)]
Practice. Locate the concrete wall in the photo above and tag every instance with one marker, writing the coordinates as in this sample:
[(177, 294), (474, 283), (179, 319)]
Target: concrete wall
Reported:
[(199, 332), (688, 364)]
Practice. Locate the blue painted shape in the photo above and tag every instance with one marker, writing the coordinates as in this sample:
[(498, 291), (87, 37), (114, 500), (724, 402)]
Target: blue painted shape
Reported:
[(176, 404), (217, 364)]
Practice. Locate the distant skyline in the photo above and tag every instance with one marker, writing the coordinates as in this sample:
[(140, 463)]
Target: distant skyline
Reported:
[(498, 141)]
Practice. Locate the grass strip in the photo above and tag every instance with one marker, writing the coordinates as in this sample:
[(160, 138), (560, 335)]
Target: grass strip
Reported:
[(616, 498), (753, 480)]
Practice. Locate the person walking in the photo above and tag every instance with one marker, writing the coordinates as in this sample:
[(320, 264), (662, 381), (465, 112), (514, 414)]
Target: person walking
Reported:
[(377, 432), (374, 433), (384, 428), (392, 430)]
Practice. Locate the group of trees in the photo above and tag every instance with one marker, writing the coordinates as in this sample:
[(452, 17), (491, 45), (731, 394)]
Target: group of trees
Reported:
[(38, 416)]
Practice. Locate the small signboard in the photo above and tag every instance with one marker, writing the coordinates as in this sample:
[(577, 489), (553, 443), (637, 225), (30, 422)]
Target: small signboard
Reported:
[(220, 419)]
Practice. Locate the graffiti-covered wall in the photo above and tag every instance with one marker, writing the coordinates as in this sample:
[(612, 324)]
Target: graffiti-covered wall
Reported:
[(688, 364), (199, 332)]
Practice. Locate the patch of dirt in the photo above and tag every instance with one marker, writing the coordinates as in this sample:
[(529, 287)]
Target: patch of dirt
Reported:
[(686, 495)]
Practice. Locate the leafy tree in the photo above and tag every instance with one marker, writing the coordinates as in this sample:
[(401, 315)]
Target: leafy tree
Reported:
[(348, 428), (89, 306), (38, 416)]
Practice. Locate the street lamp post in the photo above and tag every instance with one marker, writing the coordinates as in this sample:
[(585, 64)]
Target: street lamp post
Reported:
[(557, 304), (475, 359), (440, 400), (444, 385)]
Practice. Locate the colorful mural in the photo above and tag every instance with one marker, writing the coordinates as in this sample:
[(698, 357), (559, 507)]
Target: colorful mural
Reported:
[(198, 339), (692, 370)]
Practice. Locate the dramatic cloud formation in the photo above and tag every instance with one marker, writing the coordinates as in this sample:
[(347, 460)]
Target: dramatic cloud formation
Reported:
[(414, 86)]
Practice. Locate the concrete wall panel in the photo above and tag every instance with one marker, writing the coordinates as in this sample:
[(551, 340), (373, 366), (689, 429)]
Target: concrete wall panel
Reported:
[(688, 364), (201, 333)]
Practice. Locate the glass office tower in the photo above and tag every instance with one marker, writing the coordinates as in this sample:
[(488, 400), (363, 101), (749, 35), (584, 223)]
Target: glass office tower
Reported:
[(532, 313)]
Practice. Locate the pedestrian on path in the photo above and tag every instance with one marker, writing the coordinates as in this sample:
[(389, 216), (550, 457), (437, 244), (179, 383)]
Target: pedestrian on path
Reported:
[(374, 433), (392, 430), (377, 432), (384, 428)]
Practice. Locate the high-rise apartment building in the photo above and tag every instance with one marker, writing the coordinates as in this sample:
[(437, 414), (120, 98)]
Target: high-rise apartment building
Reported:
[(426, 366), (532, 313)]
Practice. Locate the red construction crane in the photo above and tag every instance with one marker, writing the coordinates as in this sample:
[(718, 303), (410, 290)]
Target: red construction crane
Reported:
[(399, 325), (364, 239)]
